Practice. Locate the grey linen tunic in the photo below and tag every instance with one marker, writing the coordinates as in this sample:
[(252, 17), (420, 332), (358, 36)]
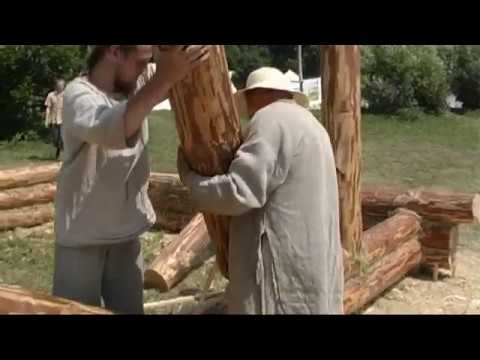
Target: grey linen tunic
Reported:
[(102, 194), (281, 190)]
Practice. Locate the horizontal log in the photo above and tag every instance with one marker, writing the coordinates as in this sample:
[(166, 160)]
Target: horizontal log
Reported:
[(438, 206), (182, 256), (28, 176), (27, 196), (384, 238), (26, 217), (378, 204), (14, 300), (364, 289)]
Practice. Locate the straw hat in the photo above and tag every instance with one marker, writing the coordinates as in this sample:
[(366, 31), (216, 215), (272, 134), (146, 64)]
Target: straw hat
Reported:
[(268, 78)]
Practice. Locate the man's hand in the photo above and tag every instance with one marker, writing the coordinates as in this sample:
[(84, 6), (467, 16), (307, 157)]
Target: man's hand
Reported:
[(184, 170), (173, 64), (176, 62)]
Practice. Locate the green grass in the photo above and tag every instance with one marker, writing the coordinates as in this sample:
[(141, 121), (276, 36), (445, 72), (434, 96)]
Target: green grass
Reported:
[(440, 152), (163, 142), (25, 153)]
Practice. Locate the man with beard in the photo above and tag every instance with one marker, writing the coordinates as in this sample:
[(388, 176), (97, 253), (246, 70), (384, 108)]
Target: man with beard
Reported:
[(102, 205)]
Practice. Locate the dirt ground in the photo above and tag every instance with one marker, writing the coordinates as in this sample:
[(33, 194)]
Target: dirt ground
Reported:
[(418, 294)]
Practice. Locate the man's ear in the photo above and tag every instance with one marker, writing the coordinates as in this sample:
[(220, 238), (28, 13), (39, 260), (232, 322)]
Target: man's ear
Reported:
[(113, 53)]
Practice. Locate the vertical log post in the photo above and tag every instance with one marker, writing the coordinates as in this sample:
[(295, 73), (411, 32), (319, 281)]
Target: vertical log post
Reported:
[(342, 118)]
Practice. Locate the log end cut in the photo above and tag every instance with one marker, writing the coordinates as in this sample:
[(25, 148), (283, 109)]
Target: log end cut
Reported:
[(153, 280), (476, 209)]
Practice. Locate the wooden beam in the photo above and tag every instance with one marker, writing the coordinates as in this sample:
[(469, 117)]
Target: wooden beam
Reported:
[(27, 196), (342, 118), (437, 206), (28, 176), (26, 217), (14, 300), (182, 256)]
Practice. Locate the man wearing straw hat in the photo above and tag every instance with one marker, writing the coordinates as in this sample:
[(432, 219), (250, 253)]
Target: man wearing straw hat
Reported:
[(281, 191), (102, 205)]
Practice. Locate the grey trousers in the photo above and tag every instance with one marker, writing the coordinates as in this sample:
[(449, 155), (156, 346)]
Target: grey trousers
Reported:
[(113, 273)]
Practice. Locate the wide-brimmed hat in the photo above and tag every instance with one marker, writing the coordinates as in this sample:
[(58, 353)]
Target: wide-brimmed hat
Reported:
[(268, 78)]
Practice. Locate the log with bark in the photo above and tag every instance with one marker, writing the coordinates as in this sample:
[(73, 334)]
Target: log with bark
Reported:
[(27, 196), (438, 206), (28, 176), (210, 132), (14, 300), (342, 116), (26, 217), (183, 255), (362, 290)]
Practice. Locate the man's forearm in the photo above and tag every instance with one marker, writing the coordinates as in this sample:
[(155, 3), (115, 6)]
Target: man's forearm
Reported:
[(142, 104)]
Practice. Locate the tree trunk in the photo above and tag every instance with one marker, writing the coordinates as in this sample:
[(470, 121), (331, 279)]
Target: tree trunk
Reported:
[(28, 176), (21, 197), (443, 207), (210, 131), (14, 300), (183, 255), (382, 239), (342, 116), (26, 217), (362, 290), (172, 202)]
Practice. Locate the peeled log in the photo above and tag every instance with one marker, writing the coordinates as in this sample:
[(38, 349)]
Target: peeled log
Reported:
[(210, 131), (26, 217), (362, 290), (382, 239), (28, 176), (439, 206), (342, 115), (18, 301), (183, 255), (33, 195)]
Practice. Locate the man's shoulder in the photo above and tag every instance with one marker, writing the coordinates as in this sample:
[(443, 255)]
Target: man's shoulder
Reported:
[(77, 87)]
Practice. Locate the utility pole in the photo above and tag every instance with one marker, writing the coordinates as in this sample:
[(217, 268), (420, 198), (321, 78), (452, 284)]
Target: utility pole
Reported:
[(300, 65)]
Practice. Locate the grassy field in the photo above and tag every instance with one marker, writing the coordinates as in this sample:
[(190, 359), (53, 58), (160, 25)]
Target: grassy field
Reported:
[(440, 152)]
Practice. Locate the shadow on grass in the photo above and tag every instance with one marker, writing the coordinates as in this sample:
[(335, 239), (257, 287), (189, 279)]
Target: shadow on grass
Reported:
[(41, 158)]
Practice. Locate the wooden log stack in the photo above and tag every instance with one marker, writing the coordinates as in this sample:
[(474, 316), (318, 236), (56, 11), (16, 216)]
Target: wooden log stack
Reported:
[(443, 212), (389, 247), (26, 196)]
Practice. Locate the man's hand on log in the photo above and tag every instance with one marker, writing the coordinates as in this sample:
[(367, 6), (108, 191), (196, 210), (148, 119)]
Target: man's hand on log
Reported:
[(175, 62)]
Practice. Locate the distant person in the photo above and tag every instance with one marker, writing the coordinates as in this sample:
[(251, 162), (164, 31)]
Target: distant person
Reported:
[(54, 115)]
